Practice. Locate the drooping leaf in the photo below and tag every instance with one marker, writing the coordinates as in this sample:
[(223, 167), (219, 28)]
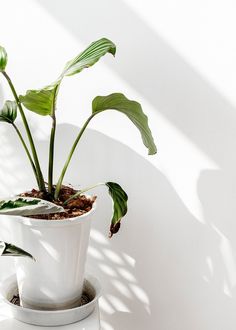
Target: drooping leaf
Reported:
[(120, 199), (89, 56), (43, 101), (26, 206), (7, 249), (9, 112), (40, 101), (132, 110), (3, 58)]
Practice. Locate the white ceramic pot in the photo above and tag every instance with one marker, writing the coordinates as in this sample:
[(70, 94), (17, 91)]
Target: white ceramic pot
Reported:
[(55, 279)]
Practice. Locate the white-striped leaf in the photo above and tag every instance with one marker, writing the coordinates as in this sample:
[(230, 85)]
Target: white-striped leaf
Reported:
[(26, 206)]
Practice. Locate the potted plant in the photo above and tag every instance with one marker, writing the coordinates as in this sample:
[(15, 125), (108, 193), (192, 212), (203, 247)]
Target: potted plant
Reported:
[(52, 222)]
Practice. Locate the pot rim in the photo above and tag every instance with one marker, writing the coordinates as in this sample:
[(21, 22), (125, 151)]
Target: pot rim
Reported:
[(53, 223)]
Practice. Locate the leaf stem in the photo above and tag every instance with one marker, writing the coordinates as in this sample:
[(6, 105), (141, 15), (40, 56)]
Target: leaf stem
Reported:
[(52, 141), (82, 191), (59, 183), (26, 150), (40, 179), (51, 155)]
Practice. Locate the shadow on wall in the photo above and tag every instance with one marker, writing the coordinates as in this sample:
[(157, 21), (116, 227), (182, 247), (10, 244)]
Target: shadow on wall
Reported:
[(186, 269), (151, 66), (164, 270)]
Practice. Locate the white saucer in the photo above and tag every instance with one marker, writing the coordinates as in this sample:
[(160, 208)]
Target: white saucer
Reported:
[(8, 288)]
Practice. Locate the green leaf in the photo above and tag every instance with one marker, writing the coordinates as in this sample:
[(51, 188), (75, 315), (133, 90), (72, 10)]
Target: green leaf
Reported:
[(26, 206), (3, 58), (9, 112), (132, 110), (40, 101), (89, 56), (20, 202), (7, 249), (43, 101), (120, 199)]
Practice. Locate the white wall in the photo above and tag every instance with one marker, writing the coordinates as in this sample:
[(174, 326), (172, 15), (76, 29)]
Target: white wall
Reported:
[(172, 266)]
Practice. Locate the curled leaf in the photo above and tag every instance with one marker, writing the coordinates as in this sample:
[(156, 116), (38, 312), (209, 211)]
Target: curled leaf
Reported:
[(132, 110), (9, 112), (3, 58), (42, 101), (89, 56), (120, 199)]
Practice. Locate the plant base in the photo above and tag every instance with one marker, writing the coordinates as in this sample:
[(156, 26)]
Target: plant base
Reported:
[(8, 290)]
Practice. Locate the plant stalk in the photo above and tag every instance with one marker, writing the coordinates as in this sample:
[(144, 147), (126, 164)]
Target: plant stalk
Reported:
[(40, 179), (51, 146), (26, 150), (59, 183), (82, 191), (51, 155)]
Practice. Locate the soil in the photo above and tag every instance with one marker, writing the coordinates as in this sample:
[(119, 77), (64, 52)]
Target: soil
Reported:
[(85, 299), (74, 208)]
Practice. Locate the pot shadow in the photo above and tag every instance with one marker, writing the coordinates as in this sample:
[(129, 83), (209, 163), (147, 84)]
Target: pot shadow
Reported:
[(156, 271)]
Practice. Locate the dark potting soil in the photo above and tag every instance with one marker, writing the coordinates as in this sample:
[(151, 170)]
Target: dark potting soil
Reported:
[(74, 208), (85, 299)]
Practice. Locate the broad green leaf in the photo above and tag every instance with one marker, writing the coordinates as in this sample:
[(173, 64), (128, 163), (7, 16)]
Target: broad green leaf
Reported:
[(7, 249), (43, 101), (132, 110), (9, 112), (3, 58), (89, 56), (40, 101), (120, 199), (26, 206)]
